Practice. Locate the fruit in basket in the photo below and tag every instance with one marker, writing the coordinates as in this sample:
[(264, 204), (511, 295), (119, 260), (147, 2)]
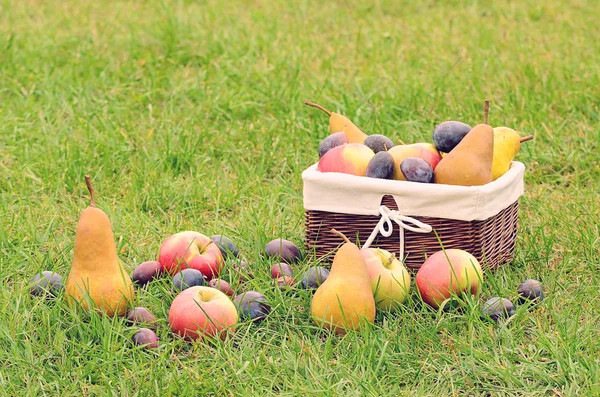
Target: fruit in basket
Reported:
[(351, 158), (283, 250), (390, 281), (381, 166), (421, 150), (530, 290), (200, 312), (191, 250), (498, 308), (338, 122), (470, 162), (507, 143), (415, 169), (331, 141), (345, 299), (379, 143), (448, 134), (446, 273), (97, 279)]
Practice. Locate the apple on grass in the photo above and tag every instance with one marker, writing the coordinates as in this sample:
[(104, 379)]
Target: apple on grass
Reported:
[(200, 312), (191, 250), (390, 281), (447, 273)]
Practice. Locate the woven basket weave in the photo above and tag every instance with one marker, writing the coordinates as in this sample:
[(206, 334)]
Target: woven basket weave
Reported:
[(491, 241)]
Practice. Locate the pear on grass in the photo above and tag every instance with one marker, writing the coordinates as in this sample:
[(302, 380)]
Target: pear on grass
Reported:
[(338, 123), (97, 280), (507, 143), (470, 162), (345, 299)]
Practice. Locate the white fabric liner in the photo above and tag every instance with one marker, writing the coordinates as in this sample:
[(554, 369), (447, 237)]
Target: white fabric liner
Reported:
[(350, 194)]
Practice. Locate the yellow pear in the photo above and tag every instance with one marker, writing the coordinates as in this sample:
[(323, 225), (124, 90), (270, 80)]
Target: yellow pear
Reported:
[(345, 299), (470, 162), (507, 143), (338, 123), (97, 279)]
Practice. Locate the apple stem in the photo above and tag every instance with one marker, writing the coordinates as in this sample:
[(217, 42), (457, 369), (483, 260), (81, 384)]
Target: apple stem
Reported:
[(341, 235), (526, 138), (486, 110), (391, 259), (316, 105), (88, 182)]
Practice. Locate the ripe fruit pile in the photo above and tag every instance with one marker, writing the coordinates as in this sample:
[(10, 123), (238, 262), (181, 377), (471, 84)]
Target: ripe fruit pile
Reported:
[(459, 155)]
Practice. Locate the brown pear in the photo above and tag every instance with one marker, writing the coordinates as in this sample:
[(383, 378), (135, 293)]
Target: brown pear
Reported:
[(97, 280), (470, 162), (345, 299)]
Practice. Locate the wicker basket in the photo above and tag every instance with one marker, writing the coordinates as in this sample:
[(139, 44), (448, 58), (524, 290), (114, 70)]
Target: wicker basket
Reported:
[(490, 240)]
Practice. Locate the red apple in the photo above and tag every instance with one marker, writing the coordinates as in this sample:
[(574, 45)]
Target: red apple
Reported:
[(422, 150), (446, 273), (200, 312), (390, 281), (349, 158), (191, 250)]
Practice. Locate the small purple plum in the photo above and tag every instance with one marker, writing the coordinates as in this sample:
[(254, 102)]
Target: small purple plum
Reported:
[(47, 284), (141, 316), (252, 305), (188, 278), (145, 337), (281, 269), (498, 308), (145, 272), (283, 250)]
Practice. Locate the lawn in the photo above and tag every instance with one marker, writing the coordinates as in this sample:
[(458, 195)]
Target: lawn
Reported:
[(190, 116)]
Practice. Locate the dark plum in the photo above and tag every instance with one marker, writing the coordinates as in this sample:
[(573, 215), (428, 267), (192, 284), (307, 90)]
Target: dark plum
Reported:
[(416, 169), (283, 250), (222, 286), (145, 272), (141, 316), (381, 166), (530, 290), (285, 281), (281, 269), (46, 283), (227, 247), (448, 134), (379, 143), (188, 278), (145, 337), (331, 141), (252, 305), (314, 277), (498, 308)]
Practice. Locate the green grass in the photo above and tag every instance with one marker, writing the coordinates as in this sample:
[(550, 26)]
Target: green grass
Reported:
[(190, 115)]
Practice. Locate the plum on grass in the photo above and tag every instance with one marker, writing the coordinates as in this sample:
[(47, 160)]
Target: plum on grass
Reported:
[(331, 141), (222, 286), (530, 290), (379, 143), (188, 278), (416, 169), (448, 134), (381, 166), (145, 337), (227, 247), (142, 316), (252, 305), (281, 269), (46, 283), (145, 272), (498, 308), (283, 250), (314, 277)]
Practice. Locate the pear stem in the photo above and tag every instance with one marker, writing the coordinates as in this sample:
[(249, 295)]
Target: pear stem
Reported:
[(341, 235), (486, 110), (88, 182), (316, 105), (526, 138), (401, 141)]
